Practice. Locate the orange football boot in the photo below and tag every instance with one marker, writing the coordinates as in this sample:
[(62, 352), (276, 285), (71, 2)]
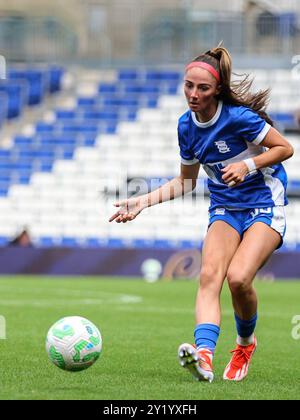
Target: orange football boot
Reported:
[(198, 362), (237, 368)]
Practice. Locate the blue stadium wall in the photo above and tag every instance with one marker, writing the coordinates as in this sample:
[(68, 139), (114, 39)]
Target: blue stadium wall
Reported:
[(183, 263)]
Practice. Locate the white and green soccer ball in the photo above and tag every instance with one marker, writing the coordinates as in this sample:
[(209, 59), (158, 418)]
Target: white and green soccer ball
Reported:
[(73, 343)]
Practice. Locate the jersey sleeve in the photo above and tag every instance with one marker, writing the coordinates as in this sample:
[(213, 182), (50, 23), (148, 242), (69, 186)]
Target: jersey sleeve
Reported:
[(187, 156), (251, 126)]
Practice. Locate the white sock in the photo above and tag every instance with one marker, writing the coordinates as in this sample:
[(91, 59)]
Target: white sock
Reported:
[(210, 354), (242, 341)]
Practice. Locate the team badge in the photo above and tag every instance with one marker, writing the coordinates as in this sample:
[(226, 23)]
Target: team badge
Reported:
[(222, 146)]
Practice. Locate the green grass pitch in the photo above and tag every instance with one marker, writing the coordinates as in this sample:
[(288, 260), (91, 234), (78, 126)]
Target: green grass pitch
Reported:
[(142, 325)]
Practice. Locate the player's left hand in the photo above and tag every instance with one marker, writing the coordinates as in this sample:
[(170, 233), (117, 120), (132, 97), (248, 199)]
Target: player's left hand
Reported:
[(235, 173)]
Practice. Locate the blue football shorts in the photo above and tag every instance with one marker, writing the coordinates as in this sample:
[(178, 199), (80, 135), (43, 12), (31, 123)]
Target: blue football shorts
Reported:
[(241, 220)]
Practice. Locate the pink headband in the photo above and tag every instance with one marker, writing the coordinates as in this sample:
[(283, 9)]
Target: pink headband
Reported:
[(205, 66)]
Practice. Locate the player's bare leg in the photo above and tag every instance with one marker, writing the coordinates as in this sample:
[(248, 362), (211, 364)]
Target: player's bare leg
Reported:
[(220, 245), (258, 244)]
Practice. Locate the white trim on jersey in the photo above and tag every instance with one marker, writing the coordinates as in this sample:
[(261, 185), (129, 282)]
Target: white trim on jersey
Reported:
[(189, 162), (275, 185), (262, 134), (210, 122), (211, 175), (278, 219)]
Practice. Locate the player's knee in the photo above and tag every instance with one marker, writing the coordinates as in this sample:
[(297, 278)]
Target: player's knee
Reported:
[(209, 276), (239, 282)]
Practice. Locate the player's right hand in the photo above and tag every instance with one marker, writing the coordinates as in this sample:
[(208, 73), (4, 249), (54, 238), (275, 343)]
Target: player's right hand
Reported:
[(128, 211)]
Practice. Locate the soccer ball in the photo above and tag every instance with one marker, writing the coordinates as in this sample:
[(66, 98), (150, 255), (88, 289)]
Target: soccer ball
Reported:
[(73, 343)]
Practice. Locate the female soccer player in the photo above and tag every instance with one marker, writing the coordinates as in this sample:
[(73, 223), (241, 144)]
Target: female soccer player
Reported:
[(227, 131)]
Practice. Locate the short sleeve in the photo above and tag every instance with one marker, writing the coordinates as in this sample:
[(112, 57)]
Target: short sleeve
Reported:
[(251, 126), (187, 156)]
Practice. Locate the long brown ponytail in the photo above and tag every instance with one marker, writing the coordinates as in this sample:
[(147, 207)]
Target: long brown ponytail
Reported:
[(236, 92)]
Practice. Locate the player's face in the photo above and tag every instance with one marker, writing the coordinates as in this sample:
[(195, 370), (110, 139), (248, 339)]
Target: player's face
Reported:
[(200, 88)]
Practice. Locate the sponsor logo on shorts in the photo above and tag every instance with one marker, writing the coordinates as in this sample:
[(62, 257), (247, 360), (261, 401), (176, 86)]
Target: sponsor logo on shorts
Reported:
[(219, 212)]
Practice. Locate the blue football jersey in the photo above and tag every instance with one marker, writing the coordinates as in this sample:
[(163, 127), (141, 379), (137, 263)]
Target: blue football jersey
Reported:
[(232, 135)]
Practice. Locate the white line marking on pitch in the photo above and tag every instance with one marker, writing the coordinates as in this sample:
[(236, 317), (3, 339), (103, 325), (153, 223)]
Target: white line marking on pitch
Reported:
[(117, 299)]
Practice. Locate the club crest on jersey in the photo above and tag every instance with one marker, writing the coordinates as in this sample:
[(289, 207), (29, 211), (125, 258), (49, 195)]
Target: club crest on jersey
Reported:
[(222, 146)]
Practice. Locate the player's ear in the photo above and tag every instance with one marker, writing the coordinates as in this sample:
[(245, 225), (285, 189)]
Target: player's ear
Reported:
[(218, 90)]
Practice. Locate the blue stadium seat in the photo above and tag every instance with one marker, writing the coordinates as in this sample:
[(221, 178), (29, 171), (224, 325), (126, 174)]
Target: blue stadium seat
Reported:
[(55, 78), (46, 148), (66, 143), (80, 128), (146, 88), (27, 87), (152, 103), (130, 116), (101, 115), (107, 88), (23, 164), (34, 154), (88, 142), (5, 154), (66, 115), (68, 155), (163, 75), (86, 101), (5, 173), (128, 74), (5, 185), (111, 128), (30, 153), (172, 89), (55, 138), (6, 166), (23, 141), (43, 127), (36, 83), (24, 180), (45, 166), (4, 181), (20, 174), (121, 102), (111, 114), (45, 154), (16, 97), (3, 192)]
